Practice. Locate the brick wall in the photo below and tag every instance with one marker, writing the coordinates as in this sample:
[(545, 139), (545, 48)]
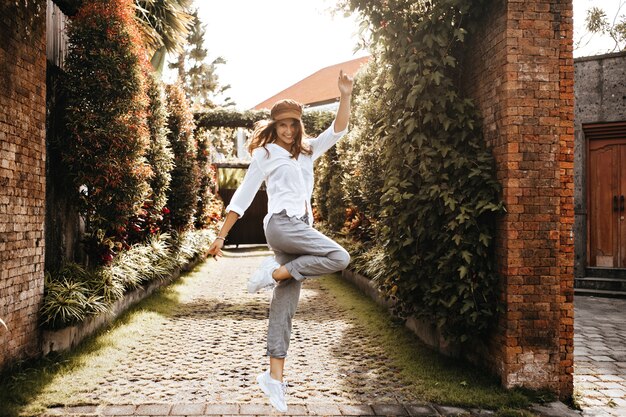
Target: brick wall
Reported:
[(520, 73), (22, 175)]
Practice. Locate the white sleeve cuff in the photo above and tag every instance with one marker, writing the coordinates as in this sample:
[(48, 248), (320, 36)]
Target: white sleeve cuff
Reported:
[(332, 127), (235, 208)]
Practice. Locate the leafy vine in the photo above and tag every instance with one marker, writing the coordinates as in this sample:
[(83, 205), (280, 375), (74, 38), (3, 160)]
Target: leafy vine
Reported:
[(440, 197)]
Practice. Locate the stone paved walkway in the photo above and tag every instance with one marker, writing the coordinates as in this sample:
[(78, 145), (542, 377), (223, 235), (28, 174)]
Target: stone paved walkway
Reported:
[(600, 355), (165, 370)]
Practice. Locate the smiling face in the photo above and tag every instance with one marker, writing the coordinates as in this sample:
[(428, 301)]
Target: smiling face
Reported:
[(287, 131)]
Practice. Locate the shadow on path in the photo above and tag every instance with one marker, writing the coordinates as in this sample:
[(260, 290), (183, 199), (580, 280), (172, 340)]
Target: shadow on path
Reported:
[(202, 341)]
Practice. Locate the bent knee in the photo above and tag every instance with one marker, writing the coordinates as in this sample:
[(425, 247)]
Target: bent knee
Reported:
[(341, 258)]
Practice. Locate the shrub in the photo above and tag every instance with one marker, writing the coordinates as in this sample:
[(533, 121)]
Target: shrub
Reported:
[(207, 212), (363, 179), (69, 298), (73, 293), (148, 220), (143, 263), (328, 193), (231, 178), (190, 244), (106, 115), (440, 196), (182, 196), (159, 154), (351, 173), (222, 118), (316, 121)]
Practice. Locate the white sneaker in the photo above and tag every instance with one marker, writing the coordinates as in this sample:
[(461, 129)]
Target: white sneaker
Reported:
[(262, 277), (274, 389)]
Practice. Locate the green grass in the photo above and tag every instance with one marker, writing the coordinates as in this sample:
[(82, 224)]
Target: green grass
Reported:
[(32, 386), (430, 375)]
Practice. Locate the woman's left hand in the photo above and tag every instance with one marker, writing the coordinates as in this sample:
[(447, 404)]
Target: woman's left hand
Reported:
[(345, 84), (216, 248)]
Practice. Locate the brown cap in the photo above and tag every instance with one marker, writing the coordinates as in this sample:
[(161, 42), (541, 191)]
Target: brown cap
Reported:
[(286, 109)]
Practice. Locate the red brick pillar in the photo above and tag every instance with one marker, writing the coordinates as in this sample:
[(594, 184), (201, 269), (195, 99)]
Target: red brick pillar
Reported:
[(22, 175), (520, 73), (566, 218)]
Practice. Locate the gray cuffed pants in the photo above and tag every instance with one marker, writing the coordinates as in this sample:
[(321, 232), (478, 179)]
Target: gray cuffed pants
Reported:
[(306, 253)]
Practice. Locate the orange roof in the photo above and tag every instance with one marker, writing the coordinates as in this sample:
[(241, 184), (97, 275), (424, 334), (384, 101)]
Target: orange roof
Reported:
[(318, 88)]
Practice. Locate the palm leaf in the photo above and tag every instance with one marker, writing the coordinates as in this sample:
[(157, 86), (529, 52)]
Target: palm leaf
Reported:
[(164, 23)]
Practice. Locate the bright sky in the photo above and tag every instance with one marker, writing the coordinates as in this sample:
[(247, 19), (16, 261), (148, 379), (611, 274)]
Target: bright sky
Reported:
[(271, 44), (596, 44)]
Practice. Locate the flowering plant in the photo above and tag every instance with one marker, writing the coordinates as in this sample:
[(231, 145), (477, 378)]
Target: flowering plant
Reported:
[(107, 133)]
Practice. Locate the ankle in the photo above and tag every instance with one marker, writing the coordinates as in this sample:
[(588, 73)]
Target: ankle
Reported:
[(277, 274), (281, 273)]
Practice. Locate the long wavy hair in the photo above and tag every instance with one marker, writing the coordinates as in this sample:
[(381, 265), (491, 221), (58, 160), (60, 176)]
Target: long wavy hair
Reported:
[(265, 132)]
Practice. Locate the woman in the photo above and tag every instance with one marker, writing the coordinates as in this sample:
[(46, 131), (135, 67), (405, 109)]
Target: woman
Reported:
[(284, 160)]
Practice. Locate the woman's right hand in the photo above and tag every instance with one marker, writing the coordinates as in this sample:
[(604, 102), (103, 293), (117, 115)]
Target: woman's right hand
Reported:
[(216, 248)]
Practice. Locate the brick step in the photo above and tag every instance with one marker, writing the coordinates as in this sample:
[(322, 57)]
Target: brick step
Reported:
[(596, 283), (314, 409), (618, 273), (599, 293)]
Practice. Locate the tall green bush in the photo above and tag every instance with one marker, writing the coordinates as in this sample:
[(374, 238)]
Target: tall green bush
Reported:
[(159, 155), (106, 117), (328, 193), (209, 207), (362, 180), (349, 178), (440, 195), (183, 193)]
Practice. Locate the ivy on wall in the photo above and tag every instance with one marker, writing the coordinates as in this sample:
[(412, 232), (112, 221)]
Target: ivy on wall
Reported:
[(438, 193)]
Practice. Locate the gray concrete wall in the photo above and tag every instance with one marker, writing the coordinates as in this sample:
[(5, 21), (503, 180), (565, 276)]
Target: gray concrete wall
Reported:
[(600, 97)]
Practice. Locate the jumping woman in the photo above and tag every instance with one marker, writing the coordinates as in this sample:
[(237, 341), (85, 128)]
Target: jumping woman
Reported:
[(283, 158)]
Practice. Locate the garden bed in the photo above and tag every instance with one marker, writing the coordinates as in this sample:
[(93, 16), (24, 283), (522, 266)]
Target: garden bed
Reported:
[(69, 337)]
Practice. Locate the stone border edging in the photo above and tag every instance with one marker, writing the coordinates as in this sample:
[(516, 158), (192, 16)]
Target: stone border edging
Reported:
[(427, 332), (69, 337)]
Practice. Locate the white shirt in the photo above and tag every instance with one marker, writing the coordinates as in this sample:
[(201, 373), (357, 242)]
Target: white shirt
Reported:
[(289, 181)]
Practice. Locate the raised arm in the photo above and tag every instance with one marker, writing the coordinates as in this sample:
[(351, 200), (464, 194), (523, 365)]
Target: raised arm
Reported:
[(343, 112)]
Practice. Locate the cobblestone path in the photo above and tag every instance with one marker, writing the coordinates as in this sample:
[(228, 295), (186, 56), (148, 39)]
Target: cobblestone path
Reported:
[(213, 346), (202, 357), (600, 356)]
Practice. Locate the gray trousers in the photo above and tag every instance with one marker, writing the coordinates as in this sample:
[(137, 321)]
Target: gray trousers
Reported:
[(306, 253)]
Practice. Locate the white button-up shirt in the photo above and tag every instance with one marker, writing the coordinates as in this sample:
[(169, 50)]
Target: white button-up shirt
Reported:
[(289, 181)]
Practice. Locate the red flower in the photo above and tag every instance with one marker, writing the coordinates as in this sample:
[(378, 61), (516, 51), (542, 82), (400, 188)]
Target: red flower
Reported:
[(107, 258)]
